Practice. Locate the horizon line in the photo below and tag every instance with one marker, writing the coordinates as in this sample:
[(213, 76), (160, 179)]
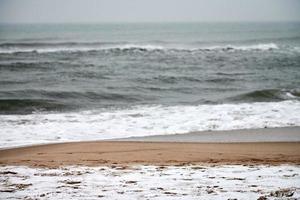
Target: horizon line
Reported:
[(156, 22)]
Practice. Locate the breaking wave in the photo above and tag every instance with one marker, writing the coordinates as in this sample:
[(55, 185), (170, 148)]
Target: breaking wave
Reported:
[(27, 106), (145, 120), (268, 95), (9, 48)]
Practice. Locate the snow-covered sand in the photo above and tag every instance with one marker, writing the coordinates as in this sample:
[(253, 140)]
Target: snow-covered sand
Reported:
[(151, 182)]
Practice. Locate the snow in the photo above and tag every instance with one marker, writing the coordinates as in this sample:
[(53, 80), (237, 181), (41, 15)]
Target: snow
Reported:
[(151, 182)]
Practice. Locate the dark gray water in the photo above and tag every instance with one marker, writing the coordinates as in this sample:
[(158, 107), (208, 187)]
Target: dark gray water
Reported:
[(75, 67)]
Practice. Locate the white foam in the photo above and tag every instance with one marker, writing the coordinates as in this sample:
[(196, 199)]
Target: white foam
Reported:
[(258, 47), (263, 47), (149, 47), (151, 182), (78, 48), (144, 120), (48, 49), (297, 49), (133, 46)]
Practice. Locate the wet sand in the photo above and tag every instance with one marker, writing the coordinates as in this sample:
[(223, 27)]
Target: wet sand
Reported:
[(151, 153), (284, 134)]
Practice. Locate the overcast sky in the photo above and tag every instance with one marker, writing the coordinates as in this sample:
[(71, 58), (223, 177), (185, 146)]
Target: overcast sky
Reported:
[(81, 11)]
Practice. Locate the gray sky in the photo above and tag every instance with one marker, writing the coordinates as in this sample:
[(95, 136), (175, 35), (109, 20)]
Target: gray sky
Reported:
[(45, 11)]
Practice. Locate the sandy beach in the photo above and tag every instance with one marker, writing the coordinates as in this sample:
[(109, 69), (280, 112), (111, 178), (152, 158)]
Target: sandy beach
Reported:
[(257, 146), (248, 164), (158, 167), (151, 153)]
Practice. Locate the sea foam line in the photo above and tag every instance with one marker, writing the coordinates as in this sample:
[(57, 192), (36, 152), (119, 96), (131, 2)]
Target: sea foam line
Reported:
[(145, 47), (144, 121)]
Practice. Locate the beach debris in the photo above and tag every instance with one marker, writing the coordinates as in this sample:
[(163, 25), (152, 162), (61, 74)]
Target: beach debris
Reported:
[(262, 198), (73, 182), (121, 167), (170, 193), (46, 174), (209, 191), (7, 190), (15, 187), (282, 193), (8, 172), (137, 190), (292, 175), (21, 186), (198, 167), (131, 182), (235, 178), (253, 185)]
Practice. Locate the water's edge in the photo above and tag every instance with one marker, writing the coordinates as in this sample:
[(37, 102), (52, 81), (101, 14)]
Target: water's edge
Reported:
[(281, 134), (284, 134)]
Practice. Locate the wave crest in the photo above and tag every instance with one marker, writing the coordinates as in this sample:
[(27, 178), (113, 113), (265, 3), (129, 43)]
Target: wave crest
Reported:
[(27, 106), (9, 48), (263, 47), (268, 95)]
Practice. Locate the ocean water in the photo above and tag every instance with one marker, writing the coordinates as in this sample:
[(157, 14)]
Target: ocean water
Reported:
[(67, 82)]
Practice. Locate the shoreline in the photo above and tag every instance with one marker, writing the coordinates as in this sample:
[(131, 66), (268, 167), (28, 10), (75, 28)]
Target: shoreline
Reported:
[(280, 134), (277, 134), (246, 147)]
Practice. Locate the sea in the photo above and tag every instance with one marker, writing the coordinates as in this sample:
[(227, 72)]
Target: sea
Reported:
[(73, 82)]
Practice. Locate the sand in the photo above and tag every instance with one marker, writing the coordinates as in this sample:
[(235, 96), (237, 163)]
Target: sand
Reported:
[(109, 153), (269, 146), (160, 167)]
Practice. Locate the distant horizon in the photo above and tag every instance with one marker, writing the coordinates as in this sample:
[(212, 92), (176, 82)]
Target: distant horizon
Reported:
[(144, 11), (147, 22)]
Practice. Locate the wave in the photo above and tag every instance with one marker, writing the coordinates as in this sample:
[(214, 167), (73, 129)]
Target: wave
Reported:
[(268, 95), (71, 47), (262, 47), (52, 44), (59, 101), (100, 95), (145, 120), (27, 106), (9, 48), (23, 66), (44, 100)]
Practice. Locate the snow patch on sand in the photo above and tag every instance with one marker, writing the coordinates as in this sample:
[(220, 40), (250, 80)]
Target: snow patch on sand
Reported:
[(151, 182)]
